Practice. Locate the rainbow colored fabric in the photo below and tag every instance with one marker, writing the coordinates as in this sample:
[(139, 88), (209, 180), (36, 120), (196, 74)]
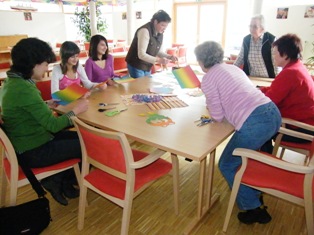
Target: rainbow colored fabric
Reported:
[(186, 77), (69, 94)]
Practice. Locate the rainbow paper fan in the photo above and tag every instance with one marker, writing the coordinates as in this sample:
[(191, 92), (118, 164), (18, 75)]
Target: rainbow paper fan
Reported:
[(186, 77), (69, 94)]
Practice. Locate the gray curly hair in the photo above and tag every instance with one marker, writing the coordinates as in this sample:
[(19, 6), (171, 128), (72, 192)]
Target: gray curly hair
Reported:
[(209, 53)]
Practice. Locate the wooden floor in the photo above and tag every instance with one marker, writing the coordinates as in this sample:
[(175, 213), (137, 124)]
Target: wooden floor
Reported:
[(153, 211)]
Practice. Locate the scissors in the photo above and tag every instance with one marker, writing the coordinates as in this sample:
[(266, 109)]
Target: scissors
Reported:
[(106, 104), (105, 109), (204, 120), (114, 112)]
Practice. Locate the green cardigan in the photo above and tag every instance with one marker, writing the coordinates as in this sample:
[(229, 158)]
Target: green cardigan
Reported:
[(28, 121)]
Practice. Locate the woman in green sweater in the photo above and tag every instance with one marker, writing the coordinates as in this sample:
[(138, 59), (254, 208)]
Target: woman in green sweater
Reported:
[(38, 136)]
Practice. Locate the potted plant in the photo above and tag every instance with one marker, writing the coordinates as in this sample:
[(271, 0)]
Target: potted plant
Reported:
[(82, 22)]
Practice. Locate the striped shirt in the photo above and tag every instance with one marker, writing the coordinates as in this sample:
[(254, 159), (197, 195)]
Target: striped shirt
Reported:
[(230, 94)]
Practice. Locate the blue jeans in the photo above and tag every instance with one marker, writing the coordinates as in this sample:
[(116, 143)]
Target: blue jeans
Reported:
[(259, 127), (137, 73)]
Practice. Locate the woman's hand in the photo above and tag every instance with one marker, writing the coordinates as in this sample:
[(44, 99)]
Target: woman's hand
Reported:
[(80, 106), (102, 86), (52, 103), (172, 58), (86, 95), (110, 82)]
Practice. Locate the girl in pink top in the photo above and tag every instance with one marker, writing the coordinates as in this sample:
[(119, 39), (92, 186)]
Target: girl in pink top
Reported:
[(69, 71)]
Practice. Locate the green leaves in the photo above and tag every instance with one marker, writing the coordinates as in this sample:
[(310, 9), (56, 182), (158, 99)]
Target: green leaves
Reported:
[(82, 22)]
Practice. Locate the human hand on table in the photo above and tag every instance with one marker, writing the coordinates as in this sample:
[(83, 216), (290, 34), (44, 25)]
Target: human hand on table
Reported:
[(80, 106), (52, 103)]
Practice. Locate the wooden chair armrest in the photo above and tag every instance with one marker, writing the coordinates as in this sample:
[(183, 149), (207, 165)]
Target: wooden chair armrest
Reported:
[(272, 161), (297, 124), (295, 133), (155, 155)]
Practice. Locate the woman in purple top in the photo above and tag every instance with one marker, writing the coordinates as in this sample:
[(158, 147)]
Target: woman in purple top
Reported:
[(230, 95), (99, 66)]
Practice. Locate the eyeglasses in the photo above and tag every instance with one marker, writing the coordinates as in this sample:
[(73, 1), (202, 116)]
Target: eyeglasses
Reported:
[(254, 27)]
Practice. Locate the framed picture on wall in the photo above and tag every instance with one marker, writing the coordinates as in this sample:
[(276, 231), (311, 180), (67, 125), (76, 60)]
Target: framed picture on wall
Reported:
[(309, 12), (138, 15), (28, 16), (124, 16), (282, 13)]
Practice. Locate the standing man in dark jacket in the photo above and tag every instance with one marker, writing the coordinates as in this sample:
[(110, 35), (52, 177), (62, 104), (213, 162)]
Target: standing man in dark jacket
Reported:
[(145, 48), (255, 55)]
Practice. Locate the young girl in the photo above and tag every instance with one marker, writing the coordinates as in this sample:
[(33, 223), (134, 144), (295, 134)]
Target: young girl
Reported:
[(99, 66), (69, 71)]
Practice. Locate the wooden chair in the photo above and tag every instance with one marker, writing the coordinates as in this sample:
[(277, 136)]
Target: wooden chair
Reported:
[(118, 49), (119, 173), (306, 148), (120, 66), (12, 174), (45, 89), (177, 45), (181, 54), (5, 65), (172, 51), (276, 177)]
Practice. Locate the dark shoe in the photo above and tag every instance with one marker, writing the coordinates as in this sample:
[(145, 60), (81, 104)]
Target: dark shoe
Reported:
[(55, 190), (69, 191), (258, 215)]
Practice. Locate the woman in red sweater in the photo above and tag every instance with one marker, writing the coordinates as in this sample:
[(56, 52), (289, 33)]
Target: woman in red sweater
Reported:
[(293, 88)]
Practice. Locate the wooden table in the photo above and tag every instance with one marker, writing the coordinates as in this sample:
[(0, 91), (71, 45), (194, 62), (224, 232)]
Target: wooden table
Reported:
[(183, 138)]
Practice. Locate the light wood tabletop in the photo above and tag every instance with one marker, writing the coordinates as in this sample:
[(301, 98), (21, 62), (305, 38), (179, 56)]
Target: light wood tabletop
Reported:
[(184, 138)]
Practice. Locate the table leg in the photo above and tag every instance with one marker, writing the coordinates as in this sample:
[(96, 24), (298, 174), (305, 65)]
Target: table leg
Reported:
[(175, 175), (205, 190)]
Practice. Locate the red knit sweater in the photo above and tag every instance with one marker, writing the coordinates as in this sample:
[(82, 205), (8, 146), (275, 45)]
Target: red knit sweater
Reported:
[(293, 93)]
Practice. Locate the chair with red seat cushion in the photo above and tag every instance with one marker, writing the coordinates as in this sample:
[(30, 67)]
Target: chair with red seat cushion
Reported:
[(45, 89), (119, 173), (11, 172), (306, 148), (276, 177), (118, 49), (120, 66)]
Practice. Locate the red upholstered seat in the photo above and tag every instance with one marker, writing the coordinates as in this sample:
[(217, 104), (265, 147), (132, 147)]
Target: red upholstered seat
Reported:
[(118, 173), (12, 173), (272, 175), (274, 178)]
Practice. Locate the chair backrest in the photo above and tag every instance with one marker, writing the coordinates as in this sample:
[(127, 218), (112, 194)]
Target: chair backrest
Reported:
[(8, 156), (172, 51), (306, 148), (118, 49), (119, 64), (45, 89), (107, 150), (177, 45), (182, 51), (5, 65)]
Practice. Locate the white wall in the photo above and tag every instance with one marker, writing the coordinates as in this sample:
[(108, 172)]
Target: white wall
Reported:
[(295, 23), (237, 23), (49, 27)]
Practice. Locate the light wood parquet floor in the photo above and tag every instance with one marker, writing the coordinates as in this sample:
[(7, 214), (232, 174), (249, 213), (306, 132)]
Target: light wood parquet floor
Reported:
[(153, 210)]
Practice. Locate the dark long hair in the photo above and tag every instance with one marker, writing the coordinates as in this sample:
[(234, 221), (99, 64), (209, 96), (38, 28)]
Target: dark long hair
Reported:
[(67, 50), (29, 52), (94, 41)]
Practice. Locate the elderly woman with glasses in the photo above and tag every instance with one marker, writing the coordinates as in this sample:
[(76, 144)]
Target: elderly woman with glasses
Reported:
[(230, 95), (255, 55)]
